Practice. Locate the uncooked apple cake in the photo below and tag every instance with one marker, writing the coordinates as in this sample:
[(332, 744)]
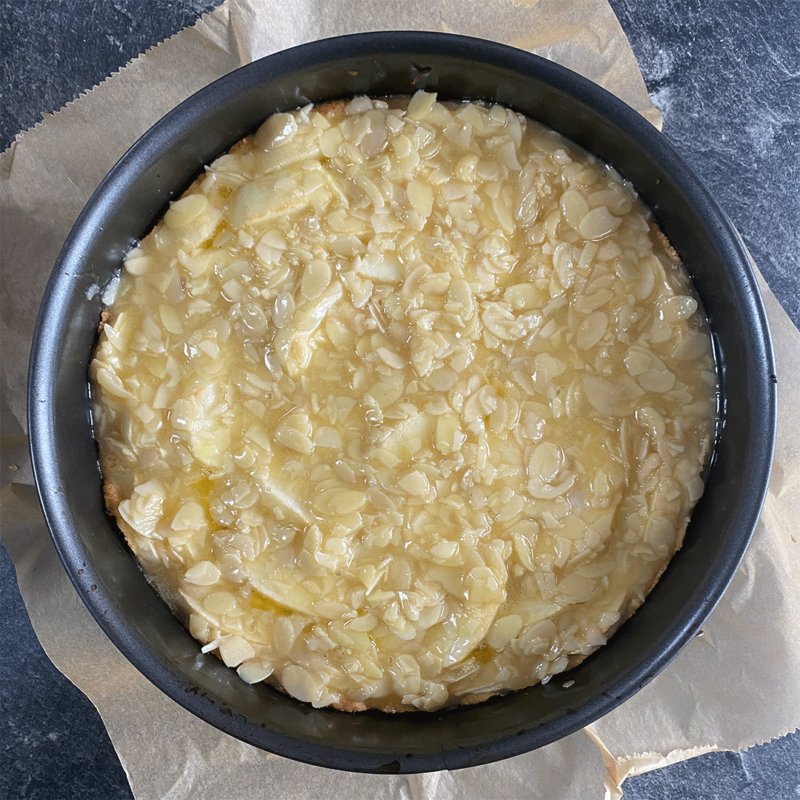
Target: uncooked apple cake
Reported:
[(404, 403)]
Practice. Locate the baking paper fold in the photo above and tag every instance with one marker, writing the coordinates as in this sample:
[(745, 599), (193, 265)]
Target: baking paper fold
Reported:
[(735, 686)]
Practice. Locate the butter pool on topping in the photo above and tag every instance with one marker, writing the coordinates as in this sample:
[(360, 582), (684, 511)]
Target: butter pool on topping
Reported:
[(404, 404)]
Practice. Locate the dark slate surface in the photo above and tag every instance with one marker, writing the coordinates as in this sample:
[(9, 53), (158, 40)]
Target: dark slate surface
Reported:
[(726, 76)]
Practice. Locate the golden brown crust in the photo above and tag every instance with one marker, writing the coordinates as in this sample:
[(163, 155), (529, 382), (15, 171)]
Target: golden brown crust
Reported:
[(240, 145), (332, 107), (349, 705), (105, 317), (111, 496), (666, 245)]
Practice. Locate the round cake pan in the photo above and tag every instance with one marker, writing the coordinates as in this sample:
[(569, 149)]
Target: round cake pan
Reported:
[(160, 166)]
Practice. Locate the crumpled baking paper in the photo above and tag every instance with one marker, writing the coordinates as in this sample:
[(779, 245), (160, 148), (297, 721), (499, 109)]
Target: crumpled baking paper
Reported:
[(737, 685)]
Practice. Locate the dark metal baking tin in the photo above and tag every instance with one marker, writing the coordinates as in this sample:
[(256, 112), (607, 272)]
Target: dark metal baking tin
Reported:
[(160, 165)]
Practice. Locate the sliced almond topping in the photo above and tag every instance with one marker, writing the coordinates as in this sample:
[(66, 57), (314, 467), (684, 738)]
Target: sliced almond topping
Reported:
[(411, 399)]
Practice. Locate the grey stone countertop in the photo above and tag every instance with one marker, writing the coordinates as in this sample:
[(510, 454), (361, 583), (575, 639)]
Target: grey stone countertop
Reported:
[(726, 76)]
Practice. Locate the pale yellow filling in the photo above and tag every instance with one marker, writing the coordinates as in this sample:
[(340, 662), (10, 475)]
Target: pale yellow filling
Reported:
[(404, 405)]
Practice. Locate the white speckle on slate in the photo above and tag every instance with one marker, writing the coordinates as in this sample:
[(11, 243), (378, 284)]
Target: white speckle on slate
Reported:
[(660, 66), (662, 98), (762, 128)]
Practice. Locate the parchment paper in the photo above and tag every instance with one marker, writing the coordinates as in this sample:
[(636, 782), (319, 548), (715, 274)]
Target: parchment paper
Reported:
[(737, 685)]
